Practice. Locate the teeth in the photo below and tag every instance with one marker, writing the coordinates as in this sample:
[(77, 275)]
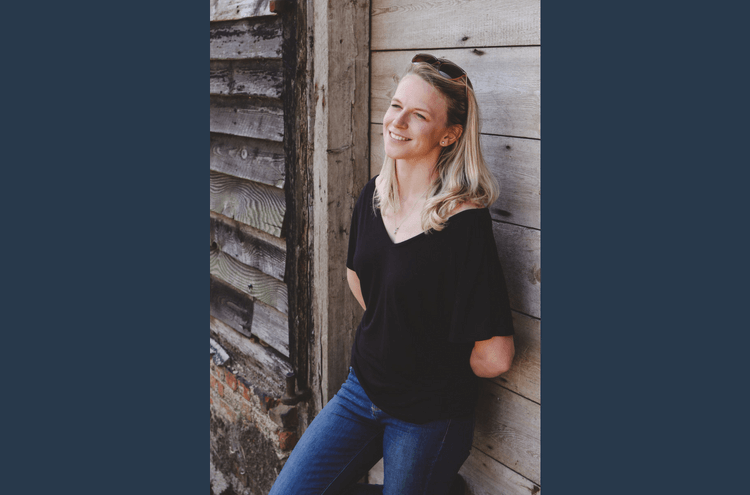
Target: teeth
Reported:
[(397, 138)]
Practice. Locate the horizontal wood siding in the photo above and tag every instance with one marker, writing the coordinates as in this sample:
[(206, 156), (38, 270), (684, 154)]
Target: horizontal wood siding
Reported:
[(260, 118), (246, 77), (520, 254), (485, 476), (249, 280), (506, 81), (507, 429), (397, 24), (246, 38), (250, 246), (223, 10), (248, 202), (249, 316), (252, 159), (247, 254), (267, 369)]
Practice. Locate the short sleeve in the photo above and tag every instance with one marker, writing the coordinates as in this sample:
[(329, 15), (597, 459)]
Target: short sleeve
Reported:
[(482, 308), (358, 206)]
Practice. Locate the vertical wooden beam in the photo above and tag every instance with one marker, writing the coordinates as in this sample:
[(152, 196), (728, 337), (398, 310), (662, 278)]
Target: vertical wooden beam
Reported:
[(340, 168), (297, 226)]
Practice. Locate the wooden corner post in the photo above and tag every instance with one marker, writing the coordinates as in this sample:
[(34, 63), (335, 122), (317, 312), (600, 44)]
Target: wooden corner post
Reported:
[(338, 44)]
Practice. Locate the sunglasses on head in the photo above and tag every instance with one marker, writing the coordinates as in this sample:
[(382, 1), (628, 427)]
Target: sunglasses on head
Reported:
[(445, 67)]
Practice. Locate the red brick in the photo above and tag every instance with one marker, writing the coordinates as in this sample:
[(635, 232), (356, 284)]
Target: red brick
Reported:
[(213, 382), (231, 381), (287, 440), (245, 392), (220, 388)]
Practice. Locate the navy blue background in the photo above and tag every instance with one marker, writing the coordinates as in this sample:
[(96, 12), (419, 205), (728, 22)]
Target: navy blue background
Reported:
[(105, 202)]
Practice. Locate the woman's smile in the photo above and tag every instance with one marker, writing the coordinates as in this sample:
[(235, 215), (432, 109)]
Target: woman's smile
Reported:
[(398, 137)]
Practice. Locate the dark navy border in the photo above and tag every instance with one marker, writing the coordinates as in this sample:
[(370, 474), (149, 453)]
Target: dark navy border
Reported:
[(105, 203)]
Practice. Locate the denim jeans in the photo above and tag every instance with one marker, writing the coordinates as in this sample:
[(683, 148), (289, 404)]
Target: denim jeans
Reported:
[(351, 434)]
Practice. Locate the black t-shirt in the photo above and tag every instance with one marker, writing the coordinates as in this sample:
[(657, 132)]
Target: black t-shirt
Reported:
[(428, 299)]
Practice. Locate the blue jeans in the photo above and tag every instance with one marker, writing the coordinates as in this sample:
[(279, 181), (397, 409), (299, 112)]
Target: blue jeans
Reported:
[(350, 435)]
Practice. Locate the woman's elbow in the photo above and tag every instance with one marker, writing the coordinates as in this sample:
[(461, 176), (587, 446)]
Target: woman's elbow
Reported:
[(493, 360)]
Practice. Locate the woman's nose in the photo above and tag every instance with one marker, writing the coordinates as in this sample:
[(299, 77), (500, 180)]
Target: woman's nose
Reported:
[(400, 120)]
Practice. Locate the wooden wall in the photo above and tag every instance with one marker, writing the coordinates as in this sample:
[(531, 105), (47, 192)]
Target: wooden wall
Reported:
[(497, 42), (249, 294)]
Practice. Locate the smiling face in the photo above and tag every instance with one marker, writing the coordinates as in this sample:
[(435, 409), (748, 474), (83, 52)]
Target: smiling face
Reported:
[(414, 125)]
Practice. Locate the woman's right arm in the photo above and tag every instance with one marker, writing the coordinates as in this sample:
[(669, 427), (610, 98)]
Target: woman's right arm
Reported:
[(353, 279)]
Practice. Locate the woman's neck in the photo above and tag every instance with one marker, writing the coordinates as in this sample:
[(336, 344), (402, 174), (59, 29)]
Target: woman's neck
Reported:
[(414, 178)]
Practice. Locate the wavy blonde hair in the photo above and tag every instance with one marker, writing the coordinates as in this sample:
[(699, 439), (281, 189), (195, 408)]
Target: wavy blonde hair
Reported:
[(462, 174)]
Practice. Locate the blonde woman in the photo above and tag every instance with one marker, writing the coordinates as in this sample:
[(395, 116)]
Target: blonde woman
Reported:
[(423, 264)]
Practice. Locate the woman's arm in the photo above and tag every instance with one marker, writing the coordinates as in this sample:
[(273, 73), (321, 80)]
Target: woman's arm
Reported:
[(492, 357), (353, 279)]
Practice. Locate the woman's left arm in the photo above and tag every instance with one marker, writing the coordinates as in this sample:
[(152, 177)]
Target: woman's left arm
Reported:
[(493, 357)]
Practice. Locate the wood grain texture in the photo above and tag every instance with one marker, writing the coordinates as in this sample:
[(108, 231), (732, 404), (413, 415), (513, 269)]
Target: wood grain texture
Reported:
[(405, 24), (246, 38), (486, 476), (515, 164), (254, 204), (524, 377), (248, 316), (246, 77), (266, 369), (250, 246), (252, 159), (506, 82), (519, 249), (508, 430), (260, 118), (248, 280), (224, 10)]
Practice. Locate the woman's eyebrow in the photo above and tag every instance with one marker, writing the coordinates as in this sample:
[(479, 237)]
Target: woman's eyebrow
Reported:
[(420, 109)]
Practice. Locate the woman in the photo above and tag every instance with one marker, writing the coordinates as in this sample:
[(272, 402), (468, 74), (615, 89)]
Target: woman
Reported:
[(423, 264)]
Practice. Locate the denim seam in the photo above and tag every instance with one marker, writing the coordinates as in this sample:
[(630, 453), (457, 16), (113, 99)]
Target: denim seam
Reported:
[(367, 444), (437, 455)]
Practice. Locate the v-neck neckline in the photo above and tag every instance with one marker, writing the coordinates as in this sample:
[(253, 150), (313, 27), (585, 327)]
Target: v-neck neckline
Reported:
[(387, 234)]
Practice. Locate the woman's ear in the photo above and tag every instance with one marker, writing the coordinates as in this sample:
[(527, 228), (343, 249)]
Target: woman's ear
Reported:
[(450, 137)]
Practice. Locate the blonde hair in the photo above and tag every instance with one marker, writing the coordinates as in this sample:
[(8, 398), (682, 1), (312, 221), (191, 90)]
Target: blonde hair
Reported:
[(462, 174)]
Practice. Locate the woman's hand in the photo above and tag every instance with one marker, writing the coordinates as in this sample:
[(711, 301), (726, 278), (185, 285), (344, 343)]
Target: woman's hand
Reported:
[(493, 357), (353, 279)]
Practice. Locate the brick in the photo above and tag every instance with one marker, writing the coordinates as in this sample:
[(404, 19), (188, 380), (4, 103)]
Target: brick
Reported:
[(231, 381), (220, 373), (213, 382), (220, 388), (245, 392), (287, 440), (284, 416)]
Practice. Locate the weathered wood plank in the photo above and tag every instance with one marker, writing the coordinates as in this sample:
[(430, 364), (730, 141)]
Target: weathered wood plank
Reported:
[(486, 476), (248, 316), (515, 163), (224, 10), (508, 429), (265, 368), (246, 77), (254, 204), (524, 377), (520, 254), (400, 24), (257, 160), (246, 38), (248, 245), (260, 118), (506, 81), (248, 280)]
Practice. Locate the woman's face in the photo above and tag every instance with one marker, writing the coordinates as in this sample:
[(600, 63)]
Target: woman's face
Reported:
[(415, 122)]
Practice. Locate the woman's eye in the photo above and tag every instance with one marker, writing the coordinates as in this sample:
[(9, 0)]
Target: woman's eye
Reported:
[(394, 105), (421, 116)]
